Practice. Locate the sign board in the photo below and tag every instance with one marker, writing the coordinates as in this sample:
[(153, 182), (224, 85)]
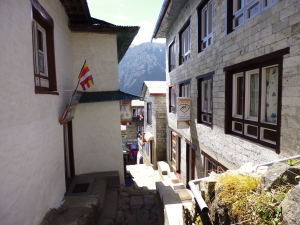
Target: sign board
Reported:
[(125, 111), (183, 109), (124, 134), (69, 112)]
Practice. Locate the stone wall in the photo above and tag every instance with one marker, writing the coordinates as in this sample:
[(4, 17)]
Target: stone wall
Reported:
[(274, 29), (157, 128)]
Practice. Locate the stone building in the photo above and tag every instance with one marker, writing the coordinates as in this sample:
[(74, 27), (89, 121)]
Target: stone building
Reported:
[(239, 62), (44, 45), (154, 147)]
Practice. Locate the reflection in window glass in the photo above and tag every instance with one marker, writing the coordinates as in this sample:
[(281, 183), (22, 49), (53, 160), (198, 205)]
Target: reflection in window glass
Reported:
[(271, 94), (239, 96), (254, 94)]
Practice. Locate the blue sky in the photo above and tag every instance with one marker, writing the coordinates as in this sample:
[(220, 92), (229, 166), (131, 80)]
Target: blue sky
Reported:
[(143, 13)]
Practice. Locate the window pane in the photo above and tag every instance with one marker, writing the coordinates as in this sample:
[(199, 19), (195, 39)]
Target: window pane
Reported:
[(210, 96), (269, 2), (271, 94), (239, 95), (254, 79), (253, 10), (204, 96), (40, 40)]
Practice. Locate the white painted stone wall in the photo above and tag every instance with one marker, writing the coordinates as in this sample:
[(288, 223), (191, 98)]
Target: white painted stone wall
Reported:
[(97, 135), (100, 53), (272, 30), (31, 145), (97, 138), (31, 139)]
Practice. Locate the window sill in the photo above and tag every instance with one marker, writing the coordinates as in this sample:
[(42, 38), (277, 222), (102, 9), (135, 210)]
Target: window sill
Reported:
[(46, 92)]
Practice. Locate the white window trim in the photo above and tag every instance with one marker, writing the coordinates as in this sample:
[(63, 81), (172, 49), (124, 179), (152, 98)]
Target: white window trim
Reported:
[(247, 94), (186, 43), (37, 27), (263, 94), (234, 96), (207, 25), (209, 97)]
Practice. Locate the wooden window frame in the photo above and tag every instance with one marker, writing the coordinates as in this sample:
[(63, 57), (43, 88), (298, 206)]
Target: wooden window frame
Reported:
[(205, 117), (172, 99), (205, 24), (175, 155), (172, 56), (43, 21), (251, 129), (238, 11), (185, 88), (209, 161), (185, 43)]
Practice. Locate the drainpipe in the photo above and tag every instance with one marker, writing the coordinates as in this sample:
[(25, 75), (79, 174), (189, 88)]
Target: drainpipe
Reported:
[(198, 196)]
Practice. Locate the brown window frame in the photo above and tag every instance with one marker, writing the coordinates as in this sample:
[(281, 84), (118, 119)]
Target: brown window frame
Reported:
[(185, 84), (175, 153), (258, 131), (241, 9), (44, 20), (185, 55), (205, 24), (172, 99), (204, 117), (172, 56), (211, 165)]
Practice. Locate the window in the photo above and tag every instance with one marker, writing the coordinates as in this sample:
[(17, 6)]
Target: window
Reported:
[(205, 98), (185, 43), (185, 89), (43, 50), (172, 62), (240, 11), (175, 152), (253, 100), (205, 21), (211, 165), (172, 99), (149, 113)]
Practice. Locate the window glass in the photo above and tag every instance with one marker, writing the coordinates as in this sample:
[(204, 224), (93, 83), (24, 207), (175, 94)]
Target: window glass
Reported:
[(271, 98), (254, 94), (239, 95)]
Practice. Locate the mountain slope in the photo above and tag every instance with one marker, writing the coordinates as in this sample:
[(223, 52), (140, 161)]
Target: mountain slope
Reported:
[(144, 62)]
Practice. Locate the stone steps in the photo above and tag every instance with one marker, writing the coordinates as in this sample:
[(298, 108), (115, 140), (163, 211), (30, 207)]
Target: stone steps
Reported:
[(89, 196)]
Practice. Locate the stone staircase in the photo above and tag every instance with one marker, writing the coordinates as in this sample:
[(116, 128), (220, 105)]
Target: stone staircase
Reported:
[(91, 199)]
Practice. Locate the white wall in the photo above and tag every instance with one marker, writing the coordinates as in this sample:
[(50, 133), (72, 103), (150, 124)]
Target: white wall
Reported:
[(97, 138), (100, 53), (31, 139)]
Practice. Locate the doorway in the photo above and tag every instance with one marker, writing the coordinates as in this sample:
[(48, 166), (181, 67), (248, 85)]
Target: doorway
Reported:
[(68, 153)]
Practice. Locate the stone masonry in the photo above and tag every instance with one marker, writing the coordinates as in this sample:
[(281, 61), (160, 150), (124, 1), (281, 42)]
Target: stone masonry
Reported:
[(274, 29)]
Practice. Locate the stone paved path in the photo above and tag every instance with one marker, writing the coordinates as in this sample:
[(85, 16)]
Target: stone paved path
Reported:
[(136, 203)]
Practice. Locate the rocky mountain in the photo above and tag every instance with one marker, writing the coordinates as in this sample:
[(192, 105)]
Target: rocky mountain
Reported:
[(144, 62)]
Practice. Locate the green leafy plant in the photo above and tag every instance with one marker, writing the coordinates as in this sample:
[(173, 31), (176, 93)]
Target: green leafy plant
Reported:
[(293, 162)]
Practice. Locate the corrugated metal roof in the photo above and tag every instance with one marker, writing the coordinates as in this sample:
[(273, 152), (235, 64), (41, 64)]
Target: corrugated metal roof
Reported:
[(106, 96), (155, 87), (137, 103)]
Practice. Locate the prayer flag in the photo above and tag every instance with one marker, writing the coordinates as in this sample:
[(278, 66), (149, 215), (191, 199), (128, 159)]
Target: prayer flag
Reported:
[(85, 77)]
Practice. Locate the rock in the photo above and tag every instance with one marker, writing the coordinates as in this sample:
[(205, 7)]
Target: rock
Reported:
[(291, 207), (207, 186), (280, 174)]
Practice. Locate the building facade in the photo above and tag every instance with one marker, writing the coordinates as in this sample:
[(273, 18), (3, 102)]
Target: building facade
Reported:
[(44, 45), (238, 61), (153, 149)]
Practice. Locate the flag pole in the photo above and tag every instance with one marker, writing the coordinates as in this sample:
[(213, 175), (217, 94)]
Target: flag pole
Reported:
[(77, 84)]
